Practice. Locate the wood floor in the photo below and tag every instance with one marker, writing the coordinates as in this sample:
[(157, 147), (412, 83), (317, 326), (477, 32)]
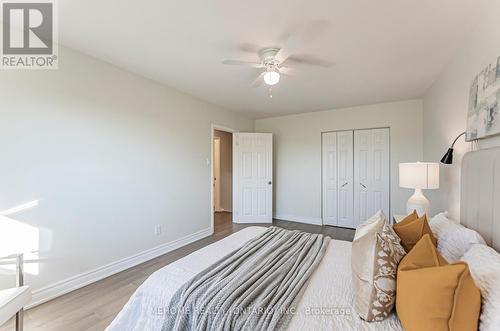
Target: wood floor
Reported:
[(93, 307)]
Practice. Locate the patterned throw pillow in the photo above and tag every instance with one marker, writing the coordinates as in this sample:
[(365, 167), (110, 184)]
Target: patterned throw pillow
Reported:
[(388, 252), (376, 252)]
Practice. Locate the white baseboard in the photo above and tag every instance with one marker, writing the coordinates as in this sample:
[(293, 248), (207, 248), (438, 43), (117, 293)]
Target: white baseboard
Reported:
[(300, 219), (73, 283), (250, 222)]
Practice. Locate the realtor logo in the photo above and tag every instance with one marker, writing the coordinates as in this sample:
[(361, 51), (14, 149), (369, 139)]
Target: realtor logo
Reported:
[(28, 35)]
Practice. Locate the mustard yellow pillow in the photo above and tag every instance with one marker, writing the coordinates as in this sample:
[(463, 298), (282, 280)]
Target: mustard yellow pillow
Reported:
[(435, 295), (411, 229), (411, 217)]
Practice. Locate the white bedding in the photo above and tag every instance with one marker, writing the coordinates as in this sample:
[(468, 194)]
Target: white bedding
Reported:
[(326, 303)]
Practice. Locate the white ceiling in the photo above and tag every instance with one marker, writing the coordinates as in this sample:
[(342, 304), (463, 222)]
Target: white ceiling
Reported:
[(383, 50)]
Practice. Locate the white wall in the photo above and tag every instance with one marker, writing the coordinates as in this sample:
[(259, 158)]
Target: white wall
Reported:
[(226, 169), (109, 156), (297, 152), (446, 102)]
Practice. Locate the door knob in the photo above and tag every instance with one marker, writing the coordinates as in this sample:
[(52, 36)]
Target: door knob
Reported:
[(270, 182)]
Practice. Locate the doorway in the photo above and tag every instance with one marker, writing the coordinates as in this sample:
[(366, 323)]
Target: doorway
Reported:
[(217, 179), (222, 175)]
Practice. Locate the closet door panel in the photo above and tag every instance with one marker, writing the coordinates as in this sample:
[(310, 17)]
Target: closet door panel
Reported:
[(362, 175), (329, 174), (345, 145), (371, 173), (380, 179)]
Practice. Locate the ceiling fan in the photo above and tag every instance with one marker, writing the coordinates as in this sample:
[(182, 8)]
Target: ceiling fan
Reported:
[(275, 61)]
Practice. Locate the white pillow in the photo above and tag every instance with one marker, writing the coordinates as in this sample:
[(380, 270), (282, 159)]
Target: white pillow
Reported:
[(484, 266), (453, 239)]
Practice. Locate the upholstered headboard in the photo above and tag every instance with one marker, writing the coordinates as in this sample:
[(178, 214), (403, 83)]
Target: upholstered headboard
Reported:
[(480, 197)]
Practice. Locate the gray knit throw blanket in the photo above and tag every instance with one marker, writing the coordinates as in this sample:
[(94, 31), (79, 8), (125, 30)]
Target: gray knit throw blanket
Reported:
[(256, 287)]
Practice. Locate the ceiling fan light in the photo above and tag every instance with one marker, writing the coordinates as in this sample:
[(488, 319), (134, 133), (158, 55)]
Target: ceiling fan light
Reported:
[(271, 77)]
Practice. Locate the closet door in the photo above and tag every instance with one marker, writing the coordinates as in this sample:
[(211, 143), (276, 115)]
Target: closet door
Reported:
[(329, 174), (371, 173), (345, 176)]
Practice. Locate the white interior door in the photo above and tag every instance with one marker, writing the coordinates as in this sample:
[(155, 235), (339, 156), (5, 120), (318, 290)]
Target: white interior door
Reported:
[(217, 174), (371, 173), (345, 178), (252, 177), (329, 143)]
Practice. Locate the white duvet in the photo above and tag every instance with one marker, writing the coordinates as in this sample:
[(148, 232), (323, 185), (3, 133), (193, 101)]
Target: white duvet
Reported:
[(326, 303)]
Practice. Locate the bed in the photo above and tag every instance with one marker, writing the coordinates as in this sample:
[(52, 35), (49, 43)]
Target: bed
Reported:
[(325, 305), (327, 302)]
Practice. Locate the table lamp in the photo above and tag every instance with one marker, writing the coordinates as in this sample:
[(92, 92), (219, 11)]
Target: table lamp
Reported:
[(419, 176)]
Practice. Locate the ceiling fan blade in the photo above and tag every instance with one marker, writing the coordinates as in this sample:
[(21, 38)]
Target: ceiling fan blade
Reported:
[(287, 71), (296, 41), (291, 45), (310, 60), (243, 63), (259, 80)]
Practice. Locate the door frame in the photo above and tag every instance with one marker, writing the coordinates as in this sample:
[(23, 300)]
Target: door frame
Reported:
[(390, 166), (216, 160), (214, 127)]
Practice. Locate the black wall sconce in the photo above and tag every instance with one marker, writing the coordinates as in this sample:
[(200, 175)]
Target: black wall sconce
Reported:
[(448, 157)]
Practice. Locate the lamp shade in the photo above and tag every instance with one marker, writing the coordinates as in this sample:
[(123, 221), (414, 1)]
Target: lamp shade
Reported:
[(419, 175)]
